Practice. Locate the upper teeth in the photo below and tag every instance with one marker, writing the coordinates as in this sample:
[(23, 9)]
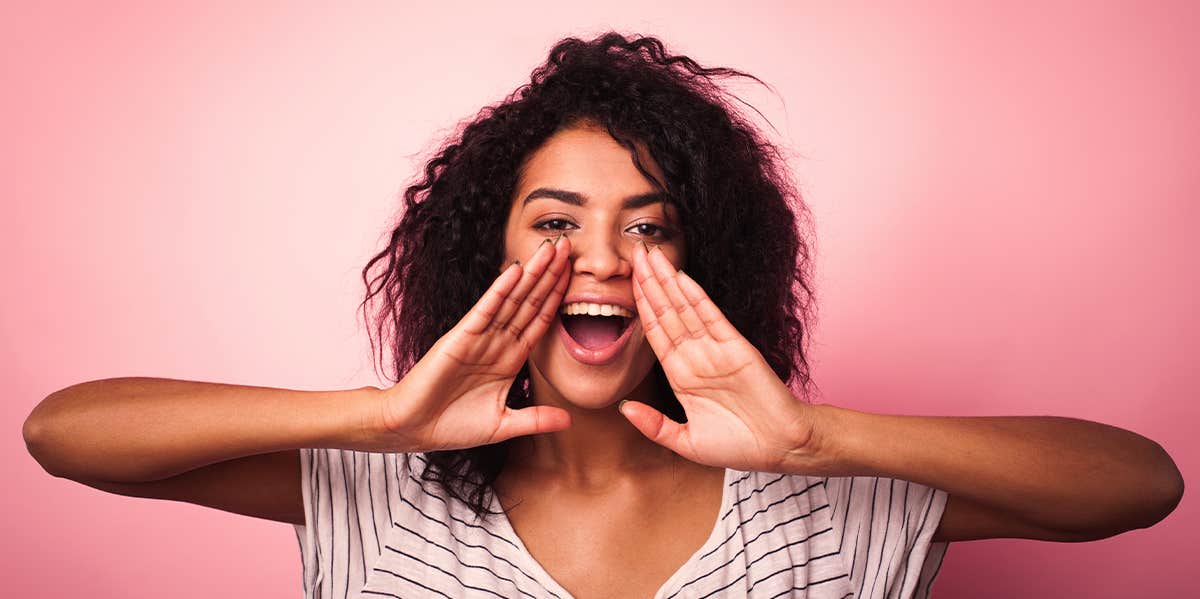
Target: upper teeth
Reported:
[(595, 309)]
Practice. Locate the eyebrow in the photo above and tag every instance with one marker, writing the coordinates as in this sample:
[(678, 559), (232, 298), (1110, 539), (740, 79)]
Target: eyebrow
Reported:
[(578, 199)]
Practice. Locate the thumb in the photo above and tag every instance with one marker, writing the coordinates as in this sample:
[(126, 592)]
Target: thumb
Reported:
[(530, 421), (657, 427)]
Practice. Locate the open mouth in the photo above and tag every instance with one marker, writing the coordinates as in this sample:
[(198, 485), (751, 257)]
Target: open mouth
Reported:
[(595, 332)]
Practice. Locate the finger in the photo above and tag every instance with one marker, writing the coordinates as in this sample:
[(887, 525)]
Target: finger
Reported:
[(534, 330), (714, 320), (664, 313), (530, 421), (533, 270), (658, 428), (480, 316), (541, 293), (667, 276), (659, 342)]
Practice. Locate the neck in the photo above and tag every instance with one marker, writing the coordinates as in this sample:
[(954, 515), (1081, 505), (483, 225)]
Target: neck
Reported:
[(600, 447)]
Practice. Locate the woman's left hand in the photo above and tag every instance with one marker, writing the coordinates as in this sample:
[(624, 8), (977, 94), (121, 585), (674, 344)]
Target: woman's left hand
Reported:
[(740, 415)]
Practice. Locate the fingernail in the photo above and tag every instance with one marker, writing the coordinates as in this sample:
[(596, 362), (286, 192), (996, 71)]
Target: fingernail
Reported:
[(657, 248), (621, 405), (560, 236), (644, 248), (517, 262), (545, 241)]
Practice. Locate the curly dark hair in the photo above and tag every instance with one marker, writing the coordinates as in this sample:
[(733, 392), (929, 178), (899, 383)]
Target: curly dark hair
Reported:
[(736, 203)]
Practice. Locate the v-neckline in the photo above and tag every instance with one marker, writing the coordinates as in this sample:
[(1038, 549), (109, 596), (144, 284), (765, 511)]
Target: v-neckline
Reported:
[(535, 569)]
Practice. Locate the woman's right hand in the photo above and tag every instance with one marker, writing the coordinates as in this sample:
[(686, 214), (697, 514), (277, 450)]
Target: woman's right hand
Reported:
[(454, 396)]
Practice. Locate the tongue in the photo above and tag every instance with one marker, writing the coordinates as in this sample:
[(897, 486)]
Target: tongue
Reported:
[(593, 332)]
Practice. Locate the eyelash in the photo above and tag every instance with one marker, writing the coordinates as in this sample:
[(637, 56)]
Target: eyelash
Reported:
[(663, 232)]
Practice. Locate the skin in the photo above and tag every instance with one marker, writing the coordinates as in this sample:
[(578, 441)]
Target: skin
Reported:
[(640, 492), (602, 237)]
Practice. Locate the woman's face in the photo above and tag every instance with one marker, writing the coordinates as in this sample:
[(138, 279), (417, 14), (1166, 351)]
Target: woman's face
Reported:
[(581, 182)]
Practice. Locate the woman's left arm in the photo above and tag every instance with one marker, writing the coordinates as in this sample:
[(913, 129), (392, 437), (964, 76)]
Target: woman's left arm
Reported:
[(1039, 477), (1036, 477)]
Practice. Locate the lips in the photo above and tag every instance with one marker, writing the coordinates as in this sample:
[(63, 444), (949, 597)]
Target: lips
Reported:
[(598, 356)]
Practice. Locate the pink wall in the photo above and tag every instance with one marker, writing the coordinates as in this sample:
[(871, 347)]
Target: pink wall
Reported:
[(1003, 198)]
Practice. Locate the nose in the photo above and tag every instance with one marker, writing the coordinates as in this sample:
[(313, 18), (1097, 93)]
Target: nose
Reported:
[(600, 254)]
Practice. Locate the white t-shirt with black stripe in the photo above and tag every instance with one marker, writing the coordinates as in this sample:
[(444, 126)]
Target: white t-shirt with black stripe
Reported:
[(373, 529)]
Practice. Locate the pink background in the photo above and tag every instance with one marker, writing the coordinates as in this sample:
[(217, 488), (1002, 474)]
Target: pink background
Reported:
[(1004, 199)]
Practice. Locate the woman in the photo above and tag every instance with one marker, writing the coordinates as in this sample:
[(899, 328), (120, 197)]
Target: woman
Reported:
[(596, 301)]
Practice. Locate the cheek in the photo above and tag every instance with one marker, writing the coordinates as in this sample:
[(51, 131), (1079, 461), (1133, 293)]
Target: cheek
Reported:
[(678, 256), (509, 246), (521, 247), (513, 245), (674, 251)]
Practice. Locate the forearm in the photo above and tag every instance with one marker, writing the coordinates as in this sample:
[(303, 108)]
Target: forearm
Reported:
[(143, 429), (1056, 473)]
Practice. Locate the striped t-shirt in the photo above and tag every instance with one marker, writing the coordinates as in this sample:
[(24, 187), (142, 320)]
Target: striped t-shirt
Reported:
[(373, 529)]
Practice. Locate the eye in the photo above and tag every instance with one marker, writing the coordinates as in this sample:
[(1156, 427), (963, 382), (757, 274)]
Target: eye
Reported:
[(553, 224), (650, 230)]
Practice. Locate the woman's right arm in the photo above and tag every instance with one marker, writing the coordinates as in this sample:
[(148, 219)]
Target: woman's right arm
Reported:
[(229, 447), (144, 429), (236, 447)]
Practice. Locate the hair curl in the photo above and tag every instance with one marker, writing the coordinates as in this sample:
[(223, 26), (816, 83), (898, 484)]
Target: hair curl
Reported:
[(737, 207)]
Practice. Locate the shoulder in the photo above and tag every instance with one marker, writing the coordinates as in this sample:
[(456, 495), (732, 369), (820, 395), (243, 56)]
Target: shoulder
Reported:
[(878, 531), (863, 499), (885, 528), (370, 517), (757, 491), (338, 472)]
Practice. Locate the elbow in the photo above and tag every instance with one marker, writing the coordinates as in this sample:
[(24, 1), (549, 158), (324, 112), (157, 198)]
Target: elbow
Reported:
[(1149, 493), (1153, 496), (34, 432), (43, 433), (1163, 492)]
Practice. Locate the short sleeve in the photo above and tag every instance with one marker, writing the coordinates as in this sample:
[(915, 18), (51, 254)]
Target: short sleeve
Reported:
[(886, 527), (306, 534), (349, 497)]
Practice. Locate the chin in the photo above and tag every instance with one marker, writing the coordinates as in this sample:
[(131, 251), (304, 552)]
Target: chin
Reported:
[(588, 387), (591, 397)]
